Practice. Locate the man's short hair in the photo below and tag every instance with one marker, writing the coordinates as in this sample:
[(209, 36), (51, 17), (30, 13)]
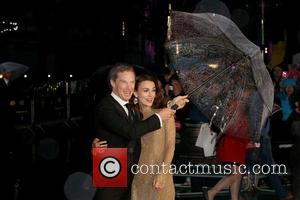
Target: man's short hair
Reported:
[(121, 67)]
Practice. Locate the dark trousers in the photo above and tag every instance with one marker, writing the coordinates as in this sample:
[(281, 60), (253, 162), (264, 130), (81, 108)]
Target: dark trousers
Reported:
[(296, 168), (112, 193), (267, 158), (296, 183)]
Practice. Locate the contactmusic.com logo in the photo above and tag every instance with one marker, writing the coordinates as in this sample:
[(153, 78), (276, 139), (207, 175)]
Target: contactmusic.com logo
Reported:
[(109, 167)]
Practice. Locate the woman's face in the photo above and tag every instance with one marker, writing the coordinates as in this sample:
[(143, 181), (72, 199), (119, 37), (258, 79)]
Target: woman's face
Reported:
[(289, 90), (146, 93)]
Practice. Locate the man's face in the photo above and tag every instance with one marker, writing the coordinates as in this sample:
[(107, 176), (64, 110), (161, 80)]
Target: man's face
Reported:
[(177, 87), (123, 86), (277, 71)]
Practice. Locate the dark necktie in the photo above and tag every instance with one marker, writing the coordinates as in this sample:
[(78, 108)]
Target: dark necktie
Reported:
[(130, 111)]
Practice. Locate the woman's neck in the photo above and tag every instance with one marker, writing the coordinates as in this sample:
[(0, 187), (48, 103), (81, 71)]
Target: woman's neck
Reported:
[(145, 109)]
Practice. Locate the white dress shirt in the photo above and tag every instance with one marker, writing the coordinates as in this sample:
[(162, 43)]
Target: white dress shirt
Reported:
[(120, 101), (123, 103)]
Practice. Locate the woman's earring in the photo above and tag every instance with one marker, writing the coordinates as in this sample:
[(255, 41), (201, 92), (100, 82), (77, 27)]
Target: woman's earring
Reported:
[(135, 100)]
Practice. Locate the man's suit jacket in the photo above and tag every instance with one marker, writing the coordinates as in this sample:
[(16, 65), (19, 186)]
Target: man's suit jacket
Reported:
[(113, 125)]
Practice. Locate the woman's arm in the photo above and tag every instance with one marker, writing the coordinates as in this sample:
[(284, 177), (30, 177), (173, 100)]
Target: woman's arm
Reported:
[(170, 139), (178, 102)]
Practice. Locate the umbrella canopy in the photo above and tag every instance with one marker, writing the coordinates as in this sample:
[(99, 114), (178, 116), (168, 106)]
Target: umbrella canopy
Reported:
[(221, 70), (215, 6), (16, 69)]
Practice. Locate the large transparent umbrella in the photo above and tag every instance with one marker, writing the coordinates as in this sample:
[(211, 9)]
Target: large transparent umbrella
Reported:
[(221, 70)]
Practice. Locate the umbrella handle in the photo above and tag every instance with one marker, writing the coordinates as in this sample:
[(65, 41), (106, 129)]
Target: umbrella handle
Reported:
[(174, 107)]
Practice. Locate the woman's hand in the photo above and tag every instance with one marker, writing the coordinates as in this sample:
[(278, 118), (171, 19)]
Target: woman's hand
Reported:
[(180, 101), (159, 182)]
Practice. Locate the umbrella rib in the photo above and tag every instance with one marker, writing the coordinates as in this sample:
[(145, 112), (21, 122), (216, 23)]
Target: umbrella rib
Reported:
[(212, 77)]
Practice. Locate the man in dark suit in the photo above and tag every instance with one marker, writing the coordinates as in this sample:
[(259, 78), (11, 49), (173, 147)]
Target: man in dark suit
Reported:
[(114, 124)]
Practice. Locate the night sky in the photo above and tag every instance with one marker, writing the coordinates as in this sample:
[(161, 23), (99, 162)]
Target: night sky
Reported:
[(66, 36)]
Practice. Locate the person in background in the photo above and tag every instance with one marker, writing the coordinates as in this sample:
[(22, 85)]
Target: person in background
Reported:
[(295, 152), (286, 98), (267, 159), (277, 77), (177, 87), (167, 74), (292, 67), (232, 147), (295, 75)]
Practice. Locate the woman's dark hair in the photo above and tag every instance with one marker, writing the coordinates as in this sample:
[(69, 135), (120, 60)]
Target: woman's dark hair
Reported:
[(158, 96)]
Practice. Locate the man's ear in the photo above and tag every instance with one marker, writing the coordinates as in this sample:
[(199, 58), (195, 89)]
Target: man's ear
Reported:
[(135, 94), (112, 83)]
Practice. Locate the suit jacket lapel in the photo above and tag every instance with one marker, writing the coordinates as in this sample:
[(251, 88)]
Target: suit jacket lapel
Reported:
[(119, 108)]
